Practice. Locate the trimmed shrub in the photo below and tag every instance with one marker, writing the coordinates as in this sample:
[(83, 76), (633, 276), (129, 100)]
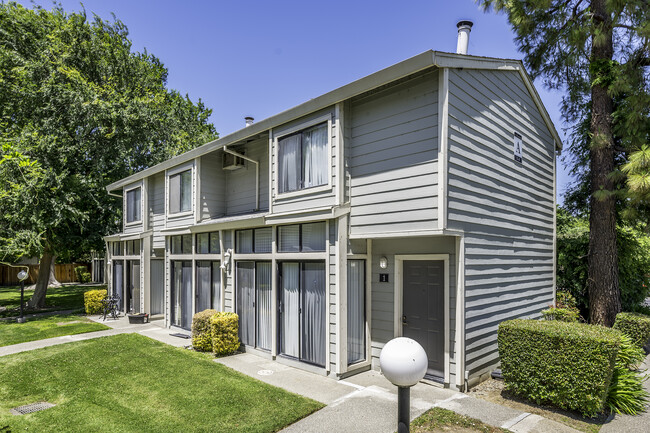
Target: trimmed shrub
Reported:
[(93, 301), (626, 393), (202, 330), (85, 277), (569, 365), (78, 271), (561, 314), (225, 330), (634, 325)]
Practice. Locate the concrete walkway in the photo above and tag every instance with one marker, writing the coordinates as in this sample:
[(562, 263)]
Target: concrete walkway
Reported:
[(366, 402), (153, 330)]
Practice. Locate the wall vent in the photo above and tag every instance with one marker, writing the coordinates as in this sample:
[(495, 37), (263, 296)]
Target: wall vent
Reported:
[(232, 162)]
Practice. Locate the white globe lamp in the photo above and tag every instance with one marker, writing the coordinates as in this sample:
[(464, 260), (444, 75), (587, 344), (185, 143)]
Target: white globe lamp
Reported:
[(404, 362)]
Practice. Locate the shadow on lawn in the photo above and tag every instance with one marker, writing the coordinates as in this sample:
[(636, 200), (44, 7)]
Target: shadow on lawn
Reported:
[(66, 297)]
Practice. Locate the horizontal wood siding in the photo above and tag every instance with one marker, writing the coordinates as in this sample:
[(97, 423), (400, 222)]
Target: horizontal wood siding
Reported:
[(156, 208), (308, 200), (213, 181), (240, 183), (504, 207), (383, 294), (393, 158)]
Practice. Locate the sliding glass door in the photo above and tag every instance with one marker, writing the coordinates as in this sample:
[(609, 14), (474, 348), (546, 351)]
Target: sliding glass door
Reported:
[(208, 285), (253, 288), (118, 279), (356, 311), (303, 309), (181, 293), (132, 301)]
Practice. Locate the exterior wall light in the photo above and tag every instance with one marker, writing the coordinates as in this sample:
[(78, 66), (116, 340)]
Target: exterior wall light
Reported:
[(404, 362), (383, 262), (226, 259)]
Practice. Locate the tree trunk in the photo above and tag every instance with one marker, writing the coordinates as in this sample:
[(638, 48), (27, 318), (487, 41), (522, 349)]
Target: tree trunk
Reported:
[(602, 282), (40, 290), (52, 281)]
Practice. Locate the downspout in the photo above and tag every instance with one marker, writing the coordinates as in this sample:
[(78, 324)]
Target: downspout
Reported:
[(257, 174)]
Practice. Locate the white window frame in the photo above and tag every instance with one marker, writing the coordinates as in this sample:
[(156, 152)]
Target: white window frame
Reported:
[(125, 209), (172, 172), (276, 146)]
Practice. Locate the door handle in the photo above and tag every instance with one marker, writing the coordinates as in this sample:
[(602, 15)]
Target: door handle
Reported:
[(404, 322)]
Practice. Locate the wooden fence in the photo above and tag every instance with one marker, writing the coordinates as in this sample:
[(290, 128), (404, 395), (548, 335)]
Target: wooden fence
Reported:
[(64, 273)]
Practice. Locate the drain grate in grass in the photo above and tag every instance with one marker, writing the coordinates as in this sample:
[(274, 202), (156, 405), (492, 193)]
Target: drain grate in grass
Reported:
[(31, 408)]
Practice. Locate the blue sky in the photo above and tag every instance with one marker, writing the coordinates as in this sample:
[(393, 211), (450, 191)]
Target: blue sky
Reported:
[(258, 58)]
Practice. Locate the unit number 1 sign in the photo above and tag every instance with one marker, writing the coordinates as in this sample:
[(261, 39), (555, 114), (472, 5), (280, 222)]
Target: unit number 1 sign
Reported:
[(519, 148)]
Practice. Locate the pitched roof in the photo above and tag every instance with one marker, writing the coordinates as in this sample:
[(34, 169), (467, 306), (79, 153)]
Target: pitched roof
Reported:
[(420, 62)]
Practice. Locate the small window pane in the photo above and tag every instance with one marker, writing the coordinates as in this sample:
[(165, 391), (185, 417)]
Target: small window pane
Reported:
[(136, 247), (289, 238), (214, 243), (174, 193), (313, 237), (176, 245), (244, 241), (289, 164), (263, 240), (129, 248), (187, 244), (202, 243)]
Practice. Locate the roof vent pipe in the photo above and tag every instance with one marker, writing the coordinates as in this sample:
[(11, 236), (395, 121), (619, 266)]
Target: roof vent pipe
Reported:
[(464, 27), (249, 120)]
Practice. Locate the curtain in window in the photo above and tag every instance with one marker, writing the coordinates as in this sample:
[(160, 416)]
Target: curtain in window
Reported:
[(135, 285), (202, 243), (290, 299), (289, 164), (263, 305), (216, 286), (289, 238), (313, 313), (314, 156), (356, 311), (186, 190), (186, 302), (118, 275), (313, 237), (245, 275), (177, 284), (263, 240), (203, 285), (133, 203), (174, 194), (244, 240)]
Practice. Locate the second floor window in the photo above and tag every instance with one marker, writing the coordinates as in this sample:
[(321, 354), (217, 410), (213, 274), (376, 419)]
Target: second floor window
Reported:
[(133, 205), (303, 159), (180, 192)]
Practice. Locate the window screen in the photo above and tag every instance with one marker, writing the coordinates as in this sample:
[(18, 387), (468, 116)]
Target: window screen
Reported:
[(313, 237), (244, 241), (263, 240), (289, 238)]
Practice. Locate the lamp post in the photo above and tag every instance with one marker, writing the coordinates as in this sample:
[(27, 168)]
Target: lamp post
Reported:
[(404, 362), (22, 276)]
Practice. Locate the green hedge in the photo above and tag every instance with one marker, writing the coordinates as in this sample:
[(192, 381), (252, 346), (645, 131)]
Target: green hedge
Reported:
[(561, 314), (93, 301), (225, 333), (569, 365), (202, 330), (634, 325)]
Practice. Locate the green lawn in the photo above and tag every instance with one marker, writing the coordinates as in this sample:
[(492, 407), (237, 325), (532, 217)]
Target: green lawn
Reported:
[(70, 297), (130, 383), (46, 327), (442, 420)]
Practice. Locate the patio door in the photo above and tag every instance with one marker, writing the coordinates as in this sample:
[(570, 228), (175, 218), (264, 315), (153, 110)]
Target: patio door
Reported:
[(302, 311), (253, 288), (118, 278), (157, 286), (181, 294), (208, 285), (132, 293)]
